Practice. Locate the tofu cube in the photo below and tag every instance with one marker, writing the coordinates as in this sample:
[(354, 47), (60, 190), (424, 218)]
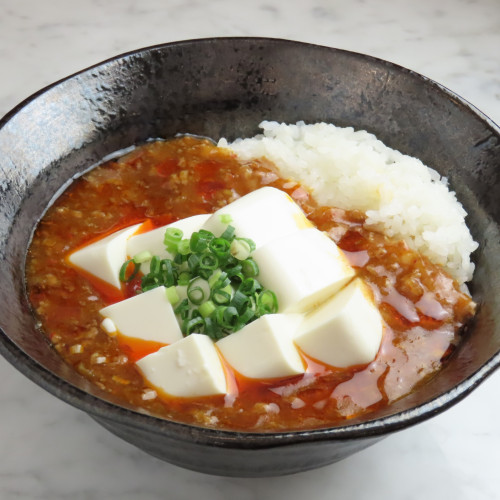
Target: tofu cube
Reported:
[(344, 331), (152, 241), (264, 349), (147, 316), (105, 257), (303, 269), (262, 215), (189, 368)]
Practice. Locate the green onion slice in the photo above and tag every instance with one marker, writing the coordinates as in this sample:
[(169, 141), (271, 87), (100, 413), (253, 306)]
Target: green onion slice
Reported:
[(228, 234), (240, 249), (209, 261), (198, 242), (225, 218), (192, 325), (214, 277), (172, 295), (222, 295), (249, 286), (249, 268), (123, 271), (193, 262), (267, 303), (220, 247), (207, 308), (184, 247), (154, 265), (141, 257), (229, 317), (182, 309), (218, 279), (184, 278), (250, 243), (239, 301), (173, 236), (198, 291), (245, 317)]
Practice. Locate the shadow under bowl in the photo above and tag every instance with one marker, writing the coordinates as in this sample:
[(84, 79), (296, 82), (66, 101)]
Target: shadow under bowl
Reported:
[(224, 87)]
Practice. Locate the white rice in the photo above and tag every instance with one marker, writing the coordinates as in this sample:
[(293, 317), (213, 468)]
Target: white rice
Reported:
[(354, 170)]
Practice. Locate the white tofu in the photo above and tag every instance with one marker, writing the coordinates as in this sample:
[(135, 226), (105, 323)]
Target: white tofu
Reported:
[(264, 349), (344, 331), (105, 257), (302, 269), (152, 241), (147, 316), (262, 215), (189, 368)]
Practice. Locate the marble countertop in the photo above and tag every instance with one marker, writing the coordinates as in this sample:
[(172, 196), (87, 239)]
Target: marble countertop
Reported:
[(52, 451)]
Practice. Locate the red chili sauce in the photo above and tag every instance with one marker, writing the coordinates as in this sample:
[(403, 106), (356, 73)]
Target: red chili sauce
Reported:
[(161, 182)]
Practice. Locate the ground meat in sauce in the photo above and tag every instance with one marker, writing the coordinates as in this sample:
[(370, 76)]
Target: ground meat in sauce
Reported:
[(162, 182)]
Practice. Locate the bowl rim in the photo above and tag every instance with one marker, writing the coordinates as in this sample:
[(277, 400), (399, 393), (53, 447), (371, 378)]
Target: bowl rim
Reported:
[(106, 410)]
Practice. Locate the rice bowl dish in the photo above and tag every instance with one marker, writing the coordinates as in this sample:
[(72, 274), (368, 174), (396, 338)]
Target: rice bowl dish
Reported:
[(238, 90), (259, 313)]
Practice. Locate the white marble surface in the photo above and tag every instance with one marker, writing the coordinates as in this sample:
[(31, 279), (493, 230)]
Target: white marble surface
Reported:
[(52, 451)]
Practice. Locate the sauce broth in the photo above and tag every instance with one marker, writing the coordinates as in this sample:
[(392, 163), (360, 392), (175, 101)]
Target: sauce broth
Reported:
[(161, 182)]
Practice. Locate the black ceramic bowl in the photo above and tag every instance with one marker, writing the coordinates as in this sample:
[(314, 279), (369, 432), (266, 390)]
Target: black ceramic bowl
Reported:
[(225, 87)]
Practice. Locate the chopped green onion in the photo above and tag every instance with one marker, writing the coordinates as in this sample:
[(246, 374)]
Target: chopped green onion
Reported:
[(154, 265), (182, 266), (240, 249), (198, 242), (218, 315), (209, 261), (206, 235), (228, 234), (267, 303), (235, 272), (149, 282), (182, 309), (249, 286), (193, 262), (246, 317), (184, 278), (198, 291), (225, 218), (167, 272), (220, 247), (183, 248), (229, 317), (250, 242), (141, 257), (207, 308), (195, 313), (219, 280), (172, 295), (222, 295), (239, 300), (123, 271), (173, 236), (211, 282), (191, 325), (210, 328), (249, 268)]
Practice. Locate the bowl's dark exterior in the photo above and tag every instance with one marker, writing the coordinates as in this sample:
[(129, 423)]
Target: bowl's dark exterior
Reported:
[(225, 87)]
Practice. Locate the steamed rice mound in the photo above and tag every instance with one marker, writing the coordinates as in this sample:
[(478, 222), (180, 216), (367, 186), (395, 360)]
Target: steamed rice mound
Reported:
[(354, 170)]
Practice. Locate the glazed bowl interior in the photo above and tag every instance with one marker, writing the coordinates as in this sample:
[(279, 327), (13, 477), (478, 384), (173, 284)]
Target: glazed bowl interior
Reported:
[(225, 88)]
